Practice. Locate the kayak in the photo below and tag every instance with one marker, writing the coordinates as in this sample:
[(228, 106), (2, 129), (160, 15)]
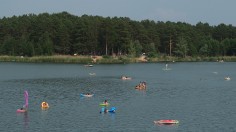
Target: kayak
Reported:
[(86, 95), (167, 122)]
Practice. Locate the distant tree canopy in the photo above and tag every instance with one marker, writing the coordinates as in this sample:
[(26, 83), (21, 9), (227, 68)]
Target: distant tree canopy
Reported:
[(66, 34)]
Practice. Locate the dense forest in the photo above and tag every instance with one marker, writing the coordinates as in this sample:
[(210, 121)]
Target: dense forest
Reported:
[(67, 34)]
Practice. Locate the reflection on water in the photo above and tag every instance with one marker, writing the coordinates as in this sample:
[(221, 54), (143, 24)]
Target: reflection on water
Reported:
[(167, 128), (26, 120)]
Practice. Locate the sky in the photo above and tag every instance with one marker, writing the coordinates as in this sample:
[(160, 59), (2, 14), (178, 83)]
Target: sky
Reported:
[(213, 12)]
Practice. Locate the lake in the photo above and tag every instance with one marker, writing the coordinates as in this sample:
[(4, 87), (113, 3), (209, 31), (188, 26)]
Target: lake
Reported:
[(195, 93)]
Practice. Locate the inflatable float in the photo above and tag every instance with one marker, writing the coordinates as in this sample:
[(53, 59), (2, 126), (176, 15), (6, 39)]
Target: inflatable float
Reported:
[(21, 110), (125, 78), (167, 122), (111, 110), (44, 105), (227, 78), (86, 95), (104, 104), (25, 106)]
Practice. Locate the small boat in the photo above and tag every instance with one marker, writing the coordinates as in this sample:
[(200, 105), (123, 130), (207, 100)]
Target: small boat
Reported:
[(44, 105), (166, 122), (86, 95)]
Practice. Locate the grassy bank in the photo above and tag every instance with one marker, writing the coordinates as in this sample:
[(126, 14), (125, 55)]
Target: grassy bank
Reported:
[(47, 59), (111, 60)]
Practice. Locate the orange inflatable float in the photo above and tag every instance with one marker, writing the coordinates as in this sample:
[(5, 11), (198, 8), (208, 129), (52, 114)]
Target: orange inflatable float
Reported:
[(44, 105)]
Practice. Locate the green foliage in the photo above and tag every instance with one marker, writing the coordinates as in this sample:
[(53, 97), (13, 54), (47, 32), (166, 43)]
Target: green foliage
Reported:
[(106, 56), (131, 49), (66, 34), (138, 48), (181, 47), (204, 50), (151, 50)]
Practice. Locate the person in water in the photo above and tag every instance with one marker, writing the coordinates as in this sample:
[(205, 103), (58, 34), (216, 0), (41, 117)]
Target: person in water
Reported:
[(105, 102), (106, 110), (24, 108), (123, 77), (45, 104)]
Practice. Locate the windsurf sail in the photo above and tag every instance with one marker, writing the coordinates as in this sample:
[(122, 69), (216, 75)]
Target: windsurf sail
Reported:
[(26, 99)]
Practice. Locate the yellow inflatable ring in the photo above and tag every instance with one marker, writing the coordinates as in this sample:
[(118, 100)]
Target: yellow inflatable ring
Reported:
[(44, 105)]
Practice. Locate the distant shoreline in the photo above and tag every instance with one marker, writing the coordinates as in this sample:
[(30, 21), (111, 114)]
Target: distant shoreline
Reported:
[(111, 60)]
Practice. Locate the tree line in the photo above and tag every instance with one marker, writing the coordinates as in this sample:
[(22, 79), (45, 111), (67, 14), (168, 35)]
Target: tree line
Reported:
[(67, 34)]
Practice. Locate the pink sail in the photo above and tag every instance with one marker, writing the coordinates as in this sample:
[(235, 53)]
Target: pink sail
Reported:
[(25, 107), (26, 98)]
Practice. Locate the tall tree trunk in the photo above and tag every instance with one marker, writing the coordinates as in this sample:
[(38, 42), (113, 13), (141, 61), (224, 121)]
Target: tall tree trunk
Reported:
[(106, 44), (170, 45)]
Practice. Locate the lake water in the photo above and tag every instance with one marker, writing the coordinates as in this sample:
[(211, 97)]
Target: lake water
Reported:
[(195, 93)]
